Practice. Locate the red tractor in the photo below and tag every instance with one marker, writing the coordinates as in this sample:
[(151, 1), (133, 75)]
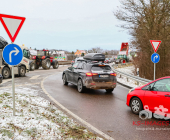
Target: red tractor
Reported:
[(123, 54), (44, 60)]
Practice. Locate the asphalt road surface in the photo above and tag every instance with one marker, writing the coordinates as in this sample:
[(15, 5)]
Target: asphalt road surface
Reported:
[(107, 112)]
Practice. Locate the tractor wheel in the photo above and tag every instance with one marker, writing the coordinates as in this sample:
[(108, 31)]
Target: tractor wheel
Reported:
[(37, 66), (46, 64), (124, 61), (6, 72), (55, 66), (32, 66)]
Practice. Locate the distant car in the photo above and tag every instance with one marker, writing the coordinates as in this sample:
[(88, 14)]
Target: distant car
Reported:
[(114, 59), (117, 61), (107, 60), (90, 74), (79, 59), (111, 60), (151, 95), (73, 61)]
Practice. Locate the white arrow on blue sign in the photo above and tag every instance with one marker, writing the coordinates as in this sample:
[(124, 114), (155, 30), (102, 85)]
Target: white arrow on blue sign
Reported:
[(12, 54), (155, 58)]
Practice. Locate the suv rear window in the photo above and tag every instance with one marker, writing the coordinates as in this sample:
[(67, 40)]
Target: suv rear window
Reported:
[(100, 68)]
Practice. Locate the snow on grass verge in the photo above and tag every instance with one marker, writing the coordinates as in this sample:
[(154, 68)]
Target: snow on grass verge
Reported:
[(129, 70), (130, 83), (36, 118)]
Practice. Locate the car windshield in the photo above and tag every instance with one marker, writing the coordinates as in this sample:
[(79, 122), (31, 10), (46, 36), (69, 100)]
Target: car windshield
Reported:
[(101, 68)]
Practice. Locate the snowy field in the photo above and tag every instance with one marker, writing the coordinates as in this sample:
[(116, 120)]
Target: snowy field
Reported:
[(36, 118), (128, 69), (123, 80)]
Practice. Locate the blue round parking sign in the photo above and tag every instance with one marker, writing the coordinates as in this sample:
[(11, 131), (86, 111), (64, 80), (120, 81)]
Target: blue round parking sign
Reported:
[(12, 54), (155, 58)]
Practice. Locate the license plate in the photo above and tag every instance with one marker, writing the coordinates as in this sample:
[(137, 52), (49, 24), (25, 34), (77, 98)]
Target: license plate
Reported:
[(103, 76)]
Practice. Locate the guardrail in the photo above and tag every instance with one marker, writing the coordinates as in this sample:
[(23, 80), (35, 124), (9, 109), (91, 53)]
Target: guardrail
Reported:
[(64, 62), (129, 76)]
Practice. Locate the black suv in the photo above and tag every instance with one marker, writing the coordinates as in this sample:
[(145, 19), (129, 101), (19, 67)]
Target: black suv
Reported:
[(91, 73)]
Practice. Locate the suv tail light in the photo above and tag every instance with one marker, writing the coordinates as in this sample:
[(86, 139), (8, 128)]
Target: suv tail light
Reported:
[(113, 74), (91, 74)]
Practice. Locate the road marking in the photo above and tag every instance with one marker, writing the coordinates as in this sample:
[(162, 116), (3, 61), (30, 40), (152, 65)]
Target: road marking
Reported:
[(35, 77), (5, 81), (74, 115), (51, 69)]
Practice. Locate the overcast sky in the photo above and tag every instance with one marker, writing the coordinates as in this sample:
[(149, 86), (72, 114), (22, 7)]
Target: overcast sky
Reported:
[(66, 24)]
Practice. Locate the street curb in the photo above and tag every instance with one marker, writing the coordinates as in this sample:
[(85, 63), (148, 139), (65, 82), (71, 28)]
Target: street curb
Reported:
[(124, 85), (74, 115)]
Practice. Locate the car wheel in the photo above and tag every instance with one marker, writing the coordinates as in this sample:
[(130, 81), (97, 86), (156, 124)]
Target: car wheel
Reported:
[(80, 86), (136, 105), (65, 80), (109, 90)]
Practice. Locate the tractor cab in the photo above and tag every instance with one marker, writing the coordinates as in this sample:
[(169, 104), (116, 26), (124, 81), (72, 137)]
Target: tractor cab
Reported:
[(42, 53), (26, 52)]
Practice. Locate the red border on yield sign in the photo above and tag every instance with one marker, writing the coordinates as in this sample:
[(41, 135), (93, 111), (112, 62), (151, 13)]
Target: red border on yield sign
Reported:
[(6, 28), (155, 44)]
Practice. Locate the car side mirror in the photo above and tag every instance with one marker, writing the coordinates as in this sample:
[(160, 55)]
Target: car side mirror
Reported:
[(70, 68), (149, 88)]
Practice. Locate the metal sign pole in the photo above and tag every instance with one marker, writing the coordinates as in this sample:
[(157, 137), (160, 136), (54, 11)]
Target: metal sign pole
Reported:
[(154, 70), (13, 90)]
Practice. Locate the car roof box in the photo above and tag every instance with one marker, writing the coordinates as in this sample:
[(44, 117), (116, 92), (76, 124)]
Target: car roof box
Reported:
[(3, 42), (95, 57)]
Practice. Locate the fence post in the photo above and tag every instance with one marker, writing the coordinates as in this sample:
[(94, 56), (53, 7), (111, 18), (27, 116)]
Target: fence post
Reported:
[(137, 82)]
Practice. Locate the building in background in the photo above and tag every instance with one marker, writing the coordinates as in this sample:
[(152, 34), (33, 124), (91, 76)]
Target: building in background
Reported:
[(59, 55), (32, 52), (80, 53)]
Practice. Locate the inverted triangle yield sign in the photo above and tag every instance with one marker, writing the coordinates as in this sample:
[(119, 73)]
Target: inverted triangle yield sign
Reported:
[(12, 25), (155, 44)]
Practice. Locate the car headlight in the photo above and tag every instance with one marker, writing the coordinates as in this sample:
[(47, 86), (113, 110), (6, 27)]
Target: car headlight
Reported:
[(131, 90)]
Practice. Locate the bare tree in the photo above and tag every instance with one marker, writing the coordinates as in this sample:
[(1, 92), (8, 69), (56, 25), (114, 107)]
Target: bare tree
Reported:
[(95, 50), (147, 20)]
